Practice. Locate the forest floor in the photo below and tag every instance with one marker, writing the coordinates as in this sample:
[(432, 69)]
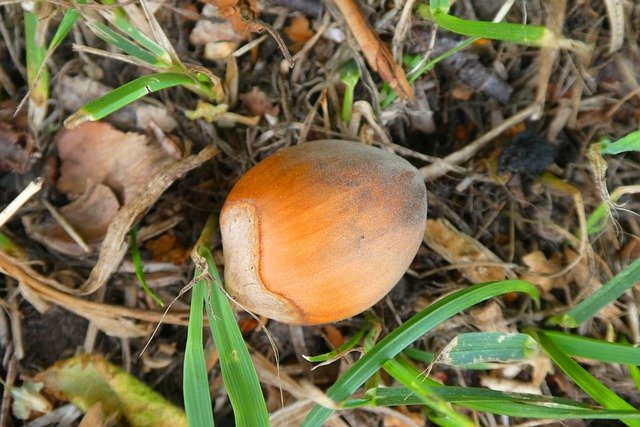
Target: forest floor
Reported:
[(501, 131)]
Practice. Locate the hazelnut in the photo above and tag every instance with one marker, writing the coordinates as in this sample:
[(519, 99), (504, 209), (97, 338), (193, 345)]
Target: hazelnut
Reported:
[(321, 231)]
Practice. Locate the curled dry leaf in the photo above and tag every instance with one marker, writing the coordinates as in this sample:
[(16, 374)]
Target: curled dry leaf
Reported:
[(298, 32), (543, 270), (258, 104), (17, 146), (89, 215), (101, 170), (377, 53), (458, 248), (88, 379), (241, 14)]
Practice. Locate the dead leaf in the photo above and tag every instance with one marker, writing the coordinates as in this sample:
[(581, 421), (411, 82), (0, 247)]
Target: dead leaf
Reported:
[(240, 13), (90, 215), (17, 146), (540, 268), (88, 379), (93, 417), (166, 248), (258, 104), (458, 248), (489, 318), (299, 32), (97, 152), (377, 53)]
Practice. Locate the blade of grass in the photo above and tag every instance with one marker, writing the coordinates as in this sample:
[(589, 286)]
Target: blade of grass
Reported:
[(126, 94), (138, 36), (480, 350), (238, 372), (608, 293), (505, 31), (410, 331), (419, 355), (137, 265), (440, 412), (197, 398), (37, 71), (122, 43), (348, 345), (630, 142), (491, 401), (589, 348), (64, 28), (594, 388)]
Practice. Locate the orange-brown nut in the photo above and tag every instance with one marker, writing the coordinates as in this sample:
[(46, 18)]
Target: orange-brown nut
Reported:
[(321, 231)]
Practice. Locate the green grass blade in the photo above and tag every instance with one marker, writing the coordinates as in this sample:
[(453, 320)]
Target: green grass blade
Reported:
[(37, 71), (630, 142), (589, 348), (419, 355), (440, 412), (126, 94), (594, 388), (138, 36), (634, 371), (348, 345), (66, 24), (122, 43), (410, 331), (480, 350), (505, 31), (608, 293), (238, 372), (496, 402), (137, 265), (197, 400)]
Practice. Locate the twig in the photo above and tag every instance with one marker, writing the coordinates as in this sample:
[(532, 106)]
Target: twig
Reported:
[(22, 198), (441, 167), (66, 226)]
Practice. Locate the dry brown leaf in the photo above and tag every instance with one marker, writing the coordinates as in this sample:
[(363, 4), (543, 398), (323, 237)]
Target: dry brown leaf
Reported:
[(540, 268), (167, 248), (93, 417), (258, 104), (582, 274), (377, 53), (90, 215), (299, 32), (489, 318), (458, 248), (240, 13), (97, 152), (17, 146)]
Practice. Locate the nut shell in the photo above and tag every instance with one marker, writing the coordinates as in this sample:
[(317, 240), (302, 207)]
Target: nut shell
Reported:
[(321, 231)]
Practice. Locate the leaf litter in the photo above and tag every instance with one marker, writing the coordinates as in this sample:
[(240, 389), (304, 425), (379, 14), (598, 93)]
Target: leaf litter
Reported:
[(461, 128)]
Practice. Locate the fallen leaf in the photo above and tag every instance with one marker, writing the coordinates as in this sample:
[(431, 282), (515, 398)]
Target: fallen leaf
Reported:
[(458, 248), (102, 169), (299, 32), (17, 146), (258, 104), (167, 248), (88, 379), (240, 13), (89, 215), (375, 51), (541, 268), (489, 318), (97, 152), (27, 400), (93, 417)]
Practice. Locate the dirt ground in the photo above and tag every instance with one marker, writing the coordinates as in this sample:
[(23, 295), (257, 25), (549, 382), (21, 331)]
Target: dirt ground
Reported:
[(526, 115)]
